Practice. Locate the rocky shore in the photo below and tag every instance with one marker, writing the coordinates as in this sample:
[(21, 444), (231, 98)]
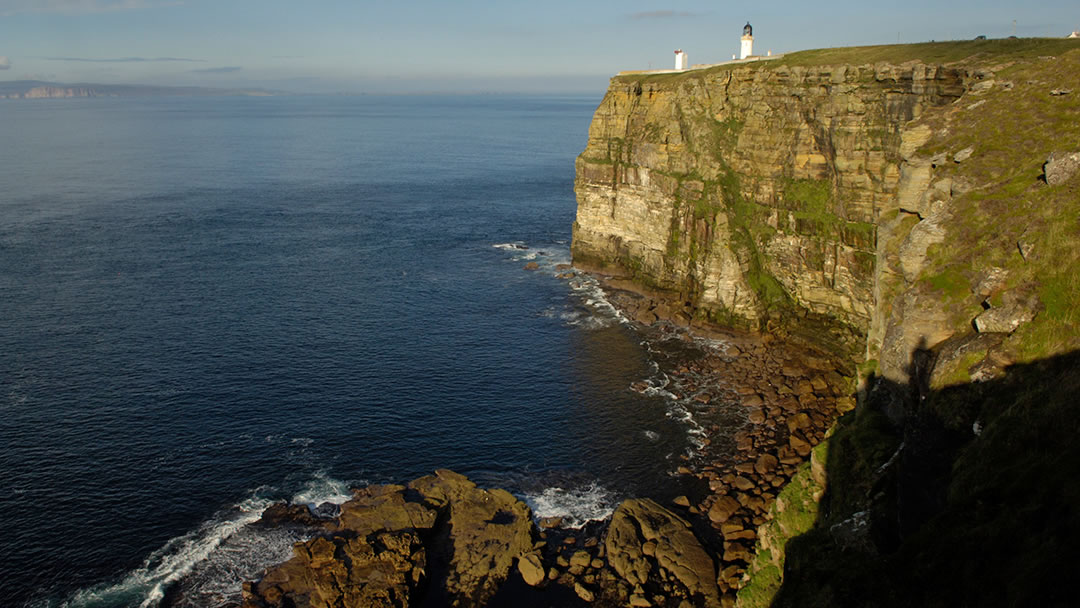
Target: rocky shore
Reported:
[(441, 541)]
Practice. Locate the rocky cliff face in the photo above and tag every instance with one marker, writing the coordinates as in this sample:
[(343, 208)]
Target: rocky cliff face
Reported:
[(918, 217), (753, 195)]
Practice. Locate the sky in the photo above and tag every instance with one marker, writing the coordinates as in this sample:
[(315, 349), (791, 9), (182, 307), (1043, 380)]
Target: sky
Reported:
[(379, 46)]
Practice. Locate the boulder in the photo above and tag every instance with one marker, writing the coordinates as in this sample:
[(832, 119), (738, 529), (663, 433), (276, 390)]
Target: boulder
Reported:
[(723, 509), (488, 531), (1015, 310), (676, 551), (766, 463), (532, 571), (1061, 166)]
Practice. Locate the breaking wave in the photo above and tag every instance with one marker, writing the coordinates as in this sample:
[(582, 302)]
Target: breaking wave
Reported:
[(204, 567), (576, 506)]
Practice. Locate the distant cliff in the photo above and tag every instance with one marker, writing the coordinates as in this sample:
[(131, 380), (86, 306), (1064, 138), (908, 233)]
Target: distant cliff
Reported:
[(36, 89), (912, 208)]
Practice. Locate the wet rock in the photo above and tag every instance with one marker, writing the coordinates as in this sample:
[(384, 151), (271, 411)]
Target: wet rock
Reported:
[(532, 266), (284, 513), (549, 522)]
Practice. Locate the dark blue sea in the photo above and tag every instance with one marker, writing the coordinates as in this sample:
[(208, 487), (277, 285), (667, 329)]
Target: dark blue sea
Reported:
[(208, 304)]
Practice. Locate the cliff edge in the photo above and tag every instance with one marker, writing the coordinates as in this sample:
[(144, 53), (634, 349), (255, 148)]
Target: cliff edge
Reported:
[(912, 209)]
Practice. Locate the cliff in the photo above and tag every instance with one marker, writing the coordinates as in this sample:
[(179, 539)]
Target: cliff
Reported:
[(912, 209), (36, 89)]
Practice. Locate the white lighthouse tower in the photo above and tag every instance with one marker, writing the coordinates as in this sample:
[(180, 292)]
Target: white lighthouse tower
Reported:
[(680, 59), (747, 48)]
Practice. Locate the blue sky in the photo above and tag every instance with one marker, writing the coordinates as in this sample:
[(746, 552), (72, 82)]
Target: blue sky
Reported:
[(463, 45)]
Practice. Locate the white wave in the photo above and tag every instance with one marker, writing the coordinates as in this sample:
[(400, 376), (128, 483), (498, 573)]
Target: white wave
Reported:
[(575, 506), (652, 436), (515, 246), (601, 311), (210, 562), (146, 585), (694, 431), (322, 489)]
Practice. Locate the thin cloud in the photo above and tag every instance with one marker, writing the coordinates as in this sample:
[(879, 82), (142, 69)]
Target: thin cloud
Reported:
[(126, 59), (79, 7), (222, 70), (5, 63), (664, 15)]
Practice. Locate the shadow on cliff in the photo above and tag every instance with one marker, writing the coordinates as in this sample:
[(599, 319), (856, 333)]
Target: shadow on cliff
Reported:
[(963, 496)]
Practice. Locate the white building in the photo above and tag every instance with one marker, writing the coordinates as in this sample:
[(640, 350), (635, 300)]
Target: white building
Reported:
[(1075, 34), (680, 60), (747, 48)]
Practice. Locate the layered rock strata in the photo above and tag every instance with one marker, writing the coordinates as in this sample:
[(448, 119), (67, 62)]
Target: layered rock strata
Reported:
[(752, 195)]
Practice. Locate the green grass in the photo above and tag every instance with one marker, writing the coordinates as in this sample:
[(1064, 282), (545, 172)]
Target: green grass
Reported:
[(951, 283), (927, 52), (933, 52)]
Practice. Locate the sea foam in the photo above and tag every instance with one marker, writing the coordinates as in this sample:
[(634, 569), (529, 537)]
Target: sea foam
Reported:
[(208, 563)]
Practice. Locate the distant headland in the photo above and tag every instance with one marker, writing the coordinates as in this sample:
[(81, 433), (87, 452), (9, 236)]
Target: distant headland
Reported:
[(38, 89)]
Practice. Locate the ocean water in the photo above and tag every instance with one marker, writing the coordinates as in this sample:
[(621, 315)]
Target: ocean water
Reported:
[(211, 304)]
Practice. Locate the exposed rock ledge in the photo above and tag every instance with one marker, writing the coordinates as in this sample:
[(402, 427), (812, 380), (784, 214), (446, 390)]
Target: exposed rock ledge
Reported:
[(441, 540)]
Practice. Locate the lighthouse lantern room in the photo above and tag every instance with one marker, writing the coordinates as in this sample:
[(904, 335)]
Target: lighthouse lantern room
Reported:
[(747, 48)]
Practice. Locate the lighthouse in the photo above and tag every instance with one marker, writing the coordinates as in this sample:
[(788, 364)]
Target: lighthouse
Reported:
[(747, 48), (680, 60)]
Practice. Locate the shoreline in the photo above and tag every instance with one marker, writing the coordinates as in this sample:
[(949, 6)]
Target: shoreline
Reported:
[(761, 404)]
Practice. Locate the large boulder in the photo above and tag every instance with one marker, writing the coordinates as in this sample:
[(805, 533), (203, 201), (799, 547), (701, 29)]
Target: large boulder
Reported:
[(487, 532), (648, 544), (1061, 166)]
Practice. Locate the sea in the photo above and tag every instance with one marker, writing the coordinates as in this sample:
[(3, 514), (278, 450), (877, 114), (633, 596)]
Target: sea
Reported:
[(211, 304)]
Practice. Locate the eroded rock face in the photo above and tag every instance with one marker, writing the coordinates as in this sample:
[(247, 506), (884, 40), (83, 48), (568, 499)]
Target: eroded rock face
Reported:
[(754, 193), (648, 543), (382, 570), (487, 532), (439, 539)]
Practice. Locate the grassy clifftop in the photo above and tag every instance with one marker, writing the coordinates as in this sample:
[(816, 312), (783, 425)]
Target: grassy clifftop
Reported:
[(955, 482), (905, 194)]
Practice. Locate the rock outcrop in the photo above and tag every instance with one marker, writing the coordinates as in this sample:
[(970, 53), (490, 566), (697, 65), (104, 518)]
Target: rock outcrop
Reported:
[(440, 539), (753, 193), (872, 211), (648, 543)]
